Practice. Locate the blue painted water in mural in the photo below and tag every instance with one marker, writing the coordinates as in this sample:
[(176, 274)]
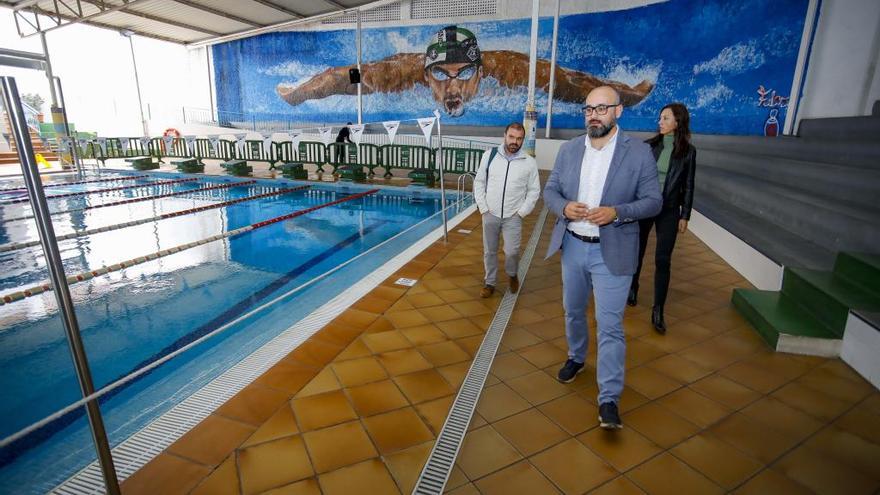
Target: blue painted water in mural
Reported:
[(731, 63)]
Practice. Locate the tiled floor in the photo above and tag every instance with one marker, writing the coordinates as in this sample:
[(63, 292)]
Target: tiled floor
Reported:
[(708, 408)]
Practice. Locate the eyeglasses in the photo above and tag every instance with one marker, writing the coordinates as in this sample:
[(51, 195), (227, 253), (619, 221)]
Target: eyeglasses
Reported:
[(598, 109), (464, 74)]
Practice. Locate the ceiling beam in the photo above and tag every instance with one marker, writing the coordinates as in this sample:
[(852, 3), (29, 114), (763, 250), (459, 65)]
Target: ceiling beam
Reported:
[(279, 8), (57, 16), (163, 20), (220, 13), (339, 6)]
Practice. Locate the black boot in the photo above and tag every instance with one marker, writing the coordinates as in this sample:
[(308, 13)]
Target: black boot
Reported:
[(633, 298), (657, 319)]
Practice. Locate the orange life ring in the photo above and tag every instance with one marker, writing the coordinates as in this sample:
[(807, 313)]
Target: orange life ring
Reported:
[(171, 132)]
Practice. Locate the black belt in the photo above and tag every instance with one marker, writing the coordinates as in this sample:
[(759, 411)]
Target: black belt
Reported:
[(585, 238)]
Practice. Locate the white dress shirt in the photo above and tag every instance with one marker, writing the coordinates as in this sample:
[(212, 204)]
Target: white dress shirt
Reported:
[(594, 171)]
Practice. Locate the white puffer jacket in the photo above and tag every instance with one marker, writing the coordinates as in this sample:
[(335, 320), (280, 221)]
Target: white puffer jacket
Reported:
[(508, 186)]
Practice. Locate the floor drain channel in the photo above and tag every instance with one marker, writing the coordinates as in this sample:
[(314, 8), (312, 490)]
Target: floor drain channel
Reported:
[(436, 472)]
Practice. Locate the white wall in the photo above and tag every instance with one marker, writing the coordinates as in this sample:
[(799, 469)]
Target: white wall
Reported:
[(842, 77)]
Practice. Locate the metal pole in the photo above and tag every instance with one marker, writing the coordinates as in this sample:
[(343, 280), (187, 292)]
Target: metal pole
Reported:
[(137, 81), (533, 52), (59, 281), (440, 166), (76, 159), (360, 94), (552, 69), (48, 71), (210, 83)]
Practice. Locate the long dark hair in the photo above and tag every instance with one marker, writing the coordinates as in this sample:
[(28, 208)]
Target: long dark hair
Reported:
[(682, 141)]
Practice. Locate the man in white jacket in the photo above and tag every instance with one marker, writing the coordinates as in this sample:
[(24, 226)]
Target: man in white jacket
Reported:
[(506, 189)]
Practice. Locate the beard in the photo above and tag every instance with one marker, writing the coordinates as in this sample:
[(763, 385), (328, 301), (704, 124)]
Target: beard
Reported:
[(512, 148), (599, 130)]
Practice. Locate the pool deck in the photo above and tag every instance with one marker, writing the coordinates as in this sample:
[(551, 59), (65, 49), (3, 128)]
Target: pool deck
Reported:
[(708, 408)]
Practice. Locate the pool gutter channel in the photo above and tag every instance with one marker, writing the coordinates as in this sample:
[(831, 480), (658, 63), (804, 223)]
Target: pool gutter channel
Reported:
[(141, 447)]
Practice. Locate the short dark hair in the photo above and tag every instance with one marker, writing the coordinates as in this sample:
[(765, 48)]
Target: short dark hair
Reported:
[(514, 125)]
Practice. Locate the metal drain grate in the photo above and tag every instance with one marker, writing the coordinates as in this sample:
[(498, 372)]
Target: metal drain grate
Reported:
[(439, 465)]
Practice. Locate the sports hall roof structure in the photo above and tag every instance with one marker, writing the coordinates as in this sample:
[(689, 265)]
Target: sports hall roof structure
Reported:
[(190, 22)]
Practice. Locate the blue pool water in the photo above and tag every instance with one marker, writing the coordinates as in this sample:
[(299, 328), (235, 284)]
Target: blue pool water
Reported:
[(132, 317)]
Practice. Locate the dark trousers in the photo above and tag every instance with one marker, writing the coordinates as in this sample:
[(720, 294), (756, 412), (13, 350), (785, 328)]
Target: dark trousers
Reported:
[(666, 223)]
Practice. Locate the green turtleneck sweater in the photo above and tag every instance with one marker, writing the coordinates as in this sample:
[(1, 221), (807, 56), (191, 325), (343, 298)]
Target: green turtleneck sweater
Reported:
[(663, 159)]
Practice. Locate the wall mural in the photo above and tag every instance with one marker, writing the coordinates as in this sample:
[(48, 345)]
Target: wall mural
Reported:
[(731, 63)]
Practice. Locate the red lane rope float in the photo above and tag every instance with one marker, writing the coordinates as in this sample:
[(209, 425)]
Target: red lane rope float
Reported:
[(171, 132), (72, 279), (5, 248), (90, 181), (145, 198), (98, 191)]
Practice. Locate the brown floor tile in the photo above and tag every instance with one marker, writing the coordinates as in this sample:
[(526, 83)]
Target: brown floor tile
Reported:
[(440, 313), (166, 473), (287, 377), (456, 329), (717, 460), (831, 382), (406, 465), (484, 451), (403, 361), (366, 477), (518, 337), (782, 418), (339, 333), (537, 387), (212, 440), (825, 475), (659, 425), (639, 352), (520, 478), (338, 446), (402, 305), (404, 319), (372, 304), (623, 449), (377, 397), (573, 467), (356, 349), (650, 383), (470, 344), (629, 399), (530, 431), (444, 353), (397, 430), (314, 352), (725, 391), (439, 284), (543, 355), (472, 309), (450, 296), (455, 373), (424, 300), (389, 293), (572, 412), (549, 329), (665, 474), (325, 381), (848, 449), (320, 411), (467, 489), (424, 334), (253, 405), (618, 486), (456, 479), (679, 368), (381, 324), (281, 424), (511, 365), (753, 377), (305, 487), (523, 316), (861, 422), (223, 481), (500, 401), (434, 412), (770, 481), (753, 438), (694, 407), (273, 464), (391, 340), (813, 402), (423, 386), (359, 371)]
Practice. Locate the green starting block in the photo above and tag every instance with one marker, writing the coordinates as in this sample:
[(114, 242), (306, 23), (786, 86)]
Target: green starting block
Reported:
[(422, 177), (294, 170), (188, 165), (239, 168), (142, 163), (351, 173)]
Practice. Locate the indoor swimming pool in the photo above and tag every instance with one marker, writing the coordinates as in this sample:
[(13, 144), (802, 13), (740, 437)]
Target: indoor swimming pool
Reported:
[(164, 299)]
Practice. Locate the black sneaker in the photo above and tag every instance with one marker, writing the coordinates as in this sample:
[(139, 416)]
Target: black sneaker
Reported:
[(569, 371), (609, 419)]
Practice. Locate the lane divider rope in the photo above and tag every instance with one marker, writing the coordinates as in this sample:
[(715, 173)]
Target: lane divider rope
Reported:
[(99, 191), (74, 183)]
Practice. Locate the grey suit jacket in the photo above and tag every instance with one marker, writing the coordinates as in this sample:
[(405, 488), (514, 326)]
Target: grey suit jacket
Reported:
[(631, 187)]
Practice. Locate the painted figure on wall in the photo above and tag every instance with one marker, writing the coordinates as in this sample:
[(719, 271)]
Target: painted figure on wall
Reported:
[(452, 67)]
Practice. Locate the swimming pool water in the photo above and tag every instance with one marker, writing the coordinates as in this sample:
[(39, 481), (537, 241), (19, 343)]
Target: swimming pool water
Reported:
[(132, 317)]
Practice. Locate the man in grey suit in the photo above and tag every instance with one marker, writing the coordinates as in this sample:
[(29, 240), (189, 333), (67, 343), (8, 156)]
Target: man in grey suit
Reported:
[(601, 184)]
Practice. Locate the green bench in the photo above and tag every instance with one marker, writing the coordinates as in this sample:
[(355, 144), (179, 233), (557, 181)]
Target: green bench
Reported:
[(239, 168), (189, 165), (294, 170), (142, 163), (352, 173), (422, 177)]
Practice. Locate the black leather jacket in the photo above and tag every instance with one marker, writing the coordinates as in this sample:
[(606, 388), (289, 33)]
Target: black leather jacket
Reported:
[(678, 192)]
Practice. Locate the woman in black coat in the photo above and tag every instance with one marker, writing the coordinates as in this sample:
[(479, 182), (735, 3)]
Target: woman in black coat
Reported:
[(676, 161)]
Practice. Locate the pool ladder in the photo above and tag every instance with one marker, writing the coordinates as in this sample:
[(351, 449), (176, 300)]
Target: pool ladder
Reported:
[(462, 183)]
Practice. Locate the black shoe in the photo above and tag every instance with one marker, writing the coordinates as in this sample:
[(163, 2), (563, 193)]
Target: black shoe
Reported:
[(657, 319), (633, 298), (569, 371), (609, 419)]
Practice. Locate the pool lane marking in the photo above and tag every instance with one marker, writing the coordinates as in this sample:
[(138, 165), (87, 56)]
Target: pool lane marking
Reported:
[(144, 198), (98, 191), (74, 183), (5, 248), (80, 277)]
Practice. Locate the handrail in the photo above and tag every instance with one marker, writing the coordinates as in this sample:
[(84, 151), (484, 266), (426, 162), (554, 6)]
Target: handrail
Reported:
[(462, 179)]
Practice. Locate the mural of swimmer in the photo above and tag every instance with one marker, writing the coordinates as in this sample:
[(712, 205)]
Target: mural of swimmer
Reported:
[(452, 67)]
